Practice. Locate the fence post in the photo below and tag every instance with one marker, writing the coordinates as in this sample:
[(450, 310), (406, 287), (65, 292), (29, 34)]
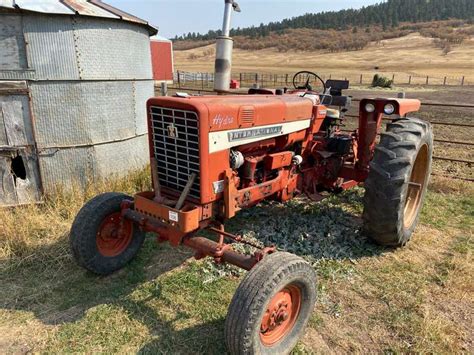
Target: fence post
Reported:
[(427, 80), (179, 79), (164, 89), (330, 76), (256, 78), (393, 78), (444, 83), (361, 77), (409, 80), (286, 79), (462, 80), (240, 77)]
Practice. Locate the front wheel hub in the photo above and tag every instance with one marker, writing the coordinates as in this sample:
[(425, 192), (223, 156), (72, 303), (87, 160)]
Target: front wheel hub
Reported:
[(114, 235), (280, 315)]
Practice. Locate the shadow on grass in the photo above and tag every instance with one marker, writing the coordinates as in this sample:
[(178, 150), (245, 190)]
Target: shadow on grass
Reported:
[(51, 285), (58, 292)]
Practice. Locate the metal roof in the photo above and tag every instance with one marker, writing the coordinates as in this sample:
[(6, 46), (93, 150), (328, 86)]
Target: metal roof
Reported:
[(94, 8)]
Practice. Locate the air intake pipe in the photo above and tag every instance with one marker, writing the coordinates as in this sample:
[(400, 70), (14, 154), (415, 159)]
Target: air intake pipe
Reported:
[(224, 47)]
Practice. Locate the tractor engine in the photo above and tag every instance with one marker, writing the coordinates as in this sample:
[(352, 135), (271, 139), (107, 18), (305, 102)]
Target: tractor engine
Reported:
[(253, 140)]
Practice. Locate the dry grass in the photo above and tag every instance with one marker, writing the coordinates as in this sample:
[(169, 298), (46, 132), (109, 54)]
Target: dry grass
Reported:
[(417, 299), (24, 229), (410, 55)]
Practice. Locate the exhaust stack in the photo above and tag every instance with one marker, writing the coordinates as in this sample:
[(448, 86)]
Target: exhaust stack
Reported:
[(224, 47)]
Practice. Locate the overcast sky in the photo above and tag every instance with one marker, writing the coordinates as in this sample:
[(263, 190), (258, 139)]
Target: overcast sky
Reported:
[(183, 16)]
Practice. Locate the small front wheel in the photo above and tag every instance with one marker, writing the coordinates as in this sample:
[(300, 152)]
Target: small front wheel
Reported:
[(272, 306), (102, 241)]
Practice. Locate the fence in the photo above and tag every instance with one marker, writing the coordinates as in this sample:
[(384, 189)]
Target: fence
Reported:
[(206, 80), (462, 145)]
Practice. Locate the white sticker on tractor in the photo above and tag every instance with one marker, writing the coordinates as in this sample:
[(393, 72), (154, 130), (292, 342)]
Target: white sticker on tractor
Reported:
[(223, 140), (218, 186), (173, 216)]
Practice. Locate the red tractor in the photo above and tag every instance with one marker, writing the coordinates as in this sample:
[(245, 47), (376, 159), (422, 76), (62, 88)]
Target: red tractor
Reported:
[(212, 156)]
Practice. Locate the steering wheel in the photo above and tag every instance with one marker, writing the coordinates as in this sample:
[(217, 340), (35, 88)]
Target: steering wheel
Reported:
[(307, 78)]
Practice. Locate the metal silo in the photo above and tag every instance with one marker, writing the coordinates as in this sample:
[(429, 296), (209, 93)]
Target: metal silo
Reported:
[(74, 79)]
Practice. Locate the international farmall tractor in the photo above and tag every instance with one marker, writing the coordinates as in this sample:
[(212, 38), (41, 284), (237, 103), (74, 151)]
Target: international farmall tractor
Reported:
[(212, 156)]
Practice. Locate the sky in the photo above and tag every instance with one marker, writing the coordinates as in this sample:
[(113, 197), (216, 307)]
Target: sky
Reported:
[(175, 17)]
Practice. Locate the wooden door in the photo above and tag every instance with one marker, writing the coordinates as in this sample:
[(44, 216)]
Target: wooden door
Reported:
[(18, 160)]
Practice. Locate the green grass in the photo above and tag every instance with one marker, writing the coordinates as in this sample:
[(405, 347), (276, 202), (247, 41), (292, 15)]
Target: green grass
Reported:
[(370, 299)]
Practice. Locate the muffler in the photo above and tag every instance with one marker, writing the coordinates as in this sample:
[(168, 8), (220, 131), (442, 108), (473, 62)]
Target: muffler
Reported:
[(224, 48)]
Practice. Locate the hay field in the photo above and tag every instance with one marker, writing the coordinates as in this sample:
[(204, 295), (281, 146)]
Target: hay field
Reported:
[(409, 55)]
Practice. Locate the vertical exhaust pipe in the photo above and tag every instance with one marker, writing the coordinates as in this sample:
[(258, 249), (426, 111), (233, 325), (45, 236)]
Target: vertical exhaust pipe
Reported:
[(224, 47)]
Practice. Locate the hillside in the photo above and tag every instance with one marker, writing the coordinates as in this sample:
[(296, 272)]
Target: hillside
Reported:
[(447, 33), (386, 14), (412, 54)]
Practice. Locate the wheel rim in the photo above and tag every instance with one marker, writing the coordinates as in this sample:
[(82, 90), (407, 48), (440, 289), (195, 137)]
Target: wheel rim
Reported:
[(280, 315), (114, 235), (416, 186)]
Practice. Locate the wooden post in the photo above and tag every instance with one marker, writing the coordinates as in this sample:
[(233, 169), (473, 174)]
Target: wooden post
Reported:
[(409, 80), (164, 89), (361, 79), (330, 76), (179, 79), (240, 77), (445, 79), (275, 80), (427, 80), (256, 78), (202, 80), (393, 78), (286, 79), (462, 80)]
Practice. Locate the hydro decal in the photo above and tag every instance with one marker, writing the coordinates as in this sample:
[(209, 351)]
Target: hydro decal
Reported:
[(223, 140)]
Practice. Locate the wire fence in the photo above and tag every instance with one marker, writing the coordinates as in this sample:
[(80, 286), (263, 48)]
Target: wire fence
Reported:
[(206, 80), (460, 166)]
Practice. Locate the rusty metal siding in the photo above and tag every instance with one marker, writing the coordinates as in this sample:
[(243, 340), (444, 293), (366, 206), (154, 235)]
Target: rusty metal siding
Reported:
[(51, 47), (17, 75), (80, 166), (93, 8), (89, 80), (143, 91), (112, 50), (81, 48), (12, 43), (78, 112), (66, 168), (137, 156)]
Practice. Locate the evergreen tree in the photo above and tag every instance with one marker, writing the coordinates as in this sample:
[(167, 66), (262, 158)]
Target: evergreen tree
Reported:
[(389, 13)]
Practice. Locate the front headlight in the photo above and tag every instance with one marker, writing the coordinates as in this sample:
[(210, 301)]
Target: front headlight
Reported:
[(370, 108), (389, 109)]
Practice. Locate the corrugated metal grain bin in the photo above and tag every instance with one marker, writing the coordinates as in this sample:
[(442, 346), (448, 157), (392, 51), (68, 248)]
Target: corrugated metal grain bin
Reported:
[(162, 59), (74, 79)]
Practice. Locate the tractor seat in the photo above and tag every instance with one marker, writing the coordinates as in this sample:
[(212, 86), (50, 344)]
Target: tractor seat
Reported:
[(334, 114)]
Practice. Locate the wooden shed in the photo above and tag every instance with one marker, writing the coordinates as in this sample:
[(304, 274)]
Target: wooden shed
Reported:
[(162, 59)]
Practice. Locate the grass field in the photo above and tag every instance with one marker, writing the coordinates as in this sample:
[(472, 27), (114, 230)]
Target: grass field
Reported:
[(410, 55), (417, 299)]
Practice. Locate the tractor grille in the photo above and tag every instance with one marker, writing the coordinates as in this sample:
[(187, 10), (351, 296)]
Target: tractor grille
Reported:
[(176, 148)]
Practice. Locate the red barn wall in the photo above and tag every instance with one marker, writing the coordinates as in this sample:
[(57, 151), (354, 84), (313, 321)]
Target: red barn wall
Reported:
[(162, 60)]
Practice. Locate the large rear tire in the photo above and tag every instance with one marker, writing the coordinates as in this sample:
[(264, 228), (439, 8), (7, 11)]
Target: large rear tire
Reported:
[(101, 240), (398, 181), (271, 306)]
